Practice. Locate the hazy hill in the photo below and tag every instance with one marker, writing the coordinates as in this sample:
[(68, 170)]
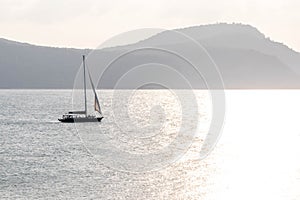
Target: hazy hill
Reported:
[(29, 66), (245, 57)]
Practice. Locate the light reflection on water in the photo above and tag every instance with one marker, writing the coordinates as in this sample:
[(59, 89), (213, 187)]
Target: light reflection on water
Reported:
[(256, 158)]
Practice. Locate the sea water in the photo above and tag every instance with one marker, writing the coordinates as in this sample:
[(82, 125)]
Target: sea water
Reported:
[(257, 156)]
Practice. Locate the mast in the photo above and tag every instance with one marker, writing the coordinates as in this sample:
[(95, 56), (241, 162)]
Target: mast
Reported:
[(84, 85)]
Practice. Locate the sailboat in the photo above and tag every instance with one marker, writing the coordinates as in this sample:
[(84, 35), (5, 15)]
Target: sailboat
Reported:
[(82, 116)]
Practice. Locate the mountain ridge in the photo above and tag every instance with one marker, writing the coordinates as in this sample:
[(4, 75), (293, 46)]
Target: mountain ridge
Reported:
[(246, 59)]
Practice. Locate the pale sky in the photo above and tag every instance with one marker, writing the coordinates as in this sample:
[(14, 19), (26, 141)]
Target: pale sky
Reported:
[(88, 23)]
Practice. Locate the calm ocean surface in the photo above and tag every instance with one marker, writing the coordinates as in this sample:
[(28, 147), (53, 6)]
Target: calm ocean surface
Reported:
[(257, 157)]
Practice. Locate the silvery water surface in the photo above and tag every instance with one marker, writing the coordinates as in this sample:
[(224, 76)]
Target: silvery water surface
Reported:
[(256, 158)]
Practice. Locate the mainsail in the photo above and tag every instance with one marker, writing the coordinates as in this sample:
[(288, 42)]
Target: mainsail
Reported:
[(96, 102)]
